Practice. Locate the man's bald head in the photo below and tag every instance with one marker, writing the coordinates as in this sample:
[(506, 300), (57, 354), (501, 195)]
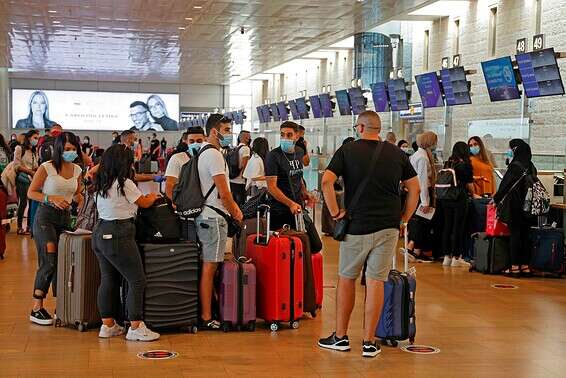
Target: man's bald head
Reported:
[(371, 122)]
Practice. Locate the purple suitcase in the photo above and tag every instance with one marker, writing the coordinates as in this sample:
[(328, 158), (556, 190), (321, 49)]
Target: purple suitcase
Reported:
[(238, 295)]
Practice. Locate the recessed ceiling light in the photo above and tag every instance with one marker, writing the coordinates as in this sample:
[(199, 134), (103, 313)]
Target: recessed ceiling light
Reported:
[(197, 7), (51, 11)]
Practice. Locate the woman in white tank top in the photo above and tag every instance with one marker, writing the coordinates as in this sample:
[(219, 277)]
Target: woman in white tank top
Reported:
[(56, 184)]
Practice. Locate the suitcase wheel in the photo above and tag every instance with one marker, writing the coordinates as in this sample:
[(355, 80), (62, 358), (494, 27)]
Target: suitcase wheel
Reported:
[(313, 314), (251, 326), (57, 322), (226, 327), (194, 329), (294, 324), (274, 327)]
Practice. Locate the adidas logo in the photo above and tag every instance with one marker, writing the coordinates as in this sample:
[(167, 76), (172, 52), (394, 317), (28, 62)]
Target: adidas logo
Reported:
[(157, 235)]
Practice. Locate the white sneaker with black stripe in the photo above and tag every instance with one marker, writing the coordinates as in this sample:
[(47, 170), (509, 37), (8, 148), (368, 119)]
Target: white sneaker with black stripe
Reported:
[(335, 343), (370, 349)]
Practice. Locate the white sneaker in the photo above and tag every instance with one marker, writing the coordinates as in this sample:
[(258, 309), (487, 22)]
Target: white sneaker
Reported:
[(106, 332), (447, 261), (142, 333), (460, 263)]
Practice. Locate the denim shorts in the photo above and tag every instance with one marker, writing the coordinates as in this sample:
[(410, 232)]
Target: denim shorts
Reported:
[(377, 249), (213, 235)]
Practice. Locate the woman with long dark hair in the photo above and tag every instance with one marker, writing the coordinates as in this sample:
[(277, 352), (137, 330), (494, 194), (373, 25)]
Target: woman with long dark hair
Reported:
[(38, 116), (25, 164), (484, 179), (114, 243), (520, 157), (255, 169), (455, 211), (55, 186)]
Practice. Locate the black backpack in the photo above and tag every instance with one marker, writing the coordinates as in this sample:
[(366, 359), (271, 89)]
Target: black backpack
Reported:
[(233, 160), (446, 187), (158, 223), (187, 194), (46, 149)]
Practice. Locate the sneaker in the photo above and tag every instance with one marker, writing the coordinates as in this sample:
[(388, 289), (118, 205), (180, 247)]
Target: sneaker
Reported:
[(41, 317), (334, 343), (106, 332), (447, 261), (142, 333), (412, 257), (210, 324), (460, 263), (370, 349)]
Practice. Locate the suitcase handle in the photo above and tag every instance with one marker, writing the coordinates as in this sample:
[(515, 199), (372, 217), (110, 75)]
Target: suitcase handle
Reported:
[(300, 222), (405, 255), (267, 209), (71, 277)]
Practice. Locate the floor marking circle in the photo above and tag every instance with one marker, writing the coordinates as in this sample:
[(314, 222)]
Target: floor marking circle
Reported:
[(420, 349), (505, 286), (157, 355)]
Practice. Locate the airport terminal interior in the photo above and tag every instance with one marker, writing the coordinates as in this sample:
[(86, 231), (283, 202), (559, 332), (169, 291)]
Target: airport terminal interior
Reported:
[(488, 73)]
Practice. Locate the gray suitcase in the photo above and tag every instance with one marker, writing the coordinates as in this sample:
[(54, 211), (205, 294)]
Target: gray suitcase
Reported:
[(78, 279)]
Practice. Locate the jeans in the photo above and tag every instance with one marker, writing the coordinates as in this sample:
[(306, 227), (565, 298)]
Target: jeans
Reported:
[(118, 256), (22, 192), (453, 234), (50, 224)]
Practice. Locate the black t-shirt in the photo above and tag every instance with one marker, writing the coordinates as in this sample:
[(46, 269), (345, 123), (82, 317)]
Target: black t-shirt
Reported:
[(153, 145), (379, 206), (301, 144), (284, 165)]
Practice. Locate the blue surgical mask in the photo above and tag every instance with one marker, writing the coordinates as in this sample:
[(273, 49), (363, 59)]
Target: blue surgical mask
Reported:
[(475, 150), (34, 142), (226, 140), (287, 145), (194, 148), (70, 156), (509, 154)]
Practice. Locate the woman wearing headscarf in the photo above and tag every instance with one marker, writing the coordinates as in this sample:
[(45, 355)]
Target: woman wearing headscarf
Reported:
[(520, 162)]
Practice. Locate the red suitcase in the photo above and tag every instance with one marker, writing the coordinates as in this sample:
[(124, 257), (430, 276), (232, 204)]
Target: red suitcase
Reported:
[(279, 268), (237, 295), (317, 268), (161, 164)]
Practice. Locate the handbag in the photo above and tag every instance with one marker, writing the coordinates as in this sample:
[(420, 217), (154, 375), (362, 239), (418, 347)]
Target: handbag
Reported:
[(504, 206), (158, 223), (249, 209), (343, 224)]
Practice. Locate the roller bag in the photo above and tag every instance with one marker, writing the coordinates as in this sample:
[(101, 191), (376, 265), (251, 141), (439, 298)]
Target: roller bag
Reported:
[(249, 227), (237, 295), (279, 266), (478, 214), (78, 279), (171, 294), (491, 254), (397, 321), (158, 223), (317, 267), (547, 254)]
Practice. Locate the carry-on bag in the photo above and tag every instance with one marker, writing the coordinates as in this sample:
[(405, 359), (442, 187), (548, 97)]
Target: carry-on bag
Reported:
[(279, 266), (494, 227), (478, 214), (171, 293), (158, 223), (78, 279), (491, 254), (240, 240), (547, 254), (237, 294), (317, 268), (397, 321)]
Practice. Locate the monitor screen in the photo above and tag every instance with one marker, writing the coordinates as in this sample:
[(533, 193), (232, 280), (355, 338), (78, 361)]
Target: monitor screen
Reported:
[(302, 107), (429, 89), (275, 112), (455, 86), (294, 110), (357, 100), (540, 73), (343, 102), (326, 104), (283, 111), (316, 106), (260, 114), (266, 113), (398, 95), (379, 95), (500, 79)]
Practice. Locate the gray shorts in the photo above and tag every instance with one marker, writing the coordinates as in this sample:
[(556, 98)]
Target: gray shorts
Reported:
[(377, 248), (212, 234)]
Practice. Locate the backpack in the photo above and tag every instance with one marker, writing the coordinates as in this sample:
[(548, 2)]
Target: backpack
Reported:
[(446, 187), (46, 150), (537, 199), (187, 194), (233, 160)]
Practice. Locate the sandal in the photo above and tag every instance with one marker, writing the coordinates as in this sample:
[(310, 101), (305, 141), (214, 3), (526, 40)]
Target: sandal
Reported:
[(21, 231), (526, 271), (210, 324), (514, 272)]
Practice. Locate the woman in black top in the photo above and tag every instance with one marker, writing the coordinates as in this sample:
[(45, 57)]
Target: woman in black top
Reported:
[(455, 211), (520, 156)]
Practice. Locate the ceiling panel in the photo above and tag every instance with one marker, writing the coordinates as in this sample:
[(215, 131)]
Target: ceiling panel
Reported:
[(186, 41)]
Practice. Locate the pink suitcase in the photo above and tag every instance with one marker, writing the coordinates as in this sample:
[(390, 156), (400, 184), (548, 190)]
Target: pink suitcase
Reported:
[(238, 295)]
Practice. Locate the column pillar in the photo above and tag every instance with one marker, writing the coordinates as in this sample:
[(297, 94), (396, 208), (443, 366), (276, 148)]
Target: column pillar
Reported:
[(5, 126)]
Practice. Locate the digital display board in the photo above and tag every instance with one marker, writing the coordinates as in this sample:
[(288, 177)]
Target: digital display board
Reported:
[(429, 90), (283, 111), (294, 110), (316, 106), (326, 104), (500, 79), (455, 85), (397, 94), (540, 73), (302, 108), (379, 95), (275, 112), (357, 100), (343, 101)]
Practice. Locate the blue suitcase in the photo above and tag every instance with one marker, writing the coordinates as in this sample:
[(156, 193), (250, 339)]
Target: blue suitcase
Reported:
[(397, 321), (547, 250)]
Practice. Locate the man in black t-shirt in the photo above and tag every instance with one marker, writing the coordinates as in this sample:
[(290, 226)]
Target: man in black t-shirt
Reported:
[(302, 144), (285, 166), (154, 147), (374, 227)]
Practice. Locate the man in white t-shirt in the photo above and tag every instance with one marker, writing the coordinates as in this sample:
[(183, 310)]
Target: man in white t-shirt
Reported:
[(238, 184), (193, 138), (212, 228)]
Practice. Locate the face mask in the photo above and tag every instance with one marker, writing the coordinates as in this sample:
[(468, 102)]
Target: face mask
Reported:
[(475, 150), (194, 148), (86, 141), (509, 155), (225, 140), (287, 145), (405, 150), (70, 156), (33, 142)]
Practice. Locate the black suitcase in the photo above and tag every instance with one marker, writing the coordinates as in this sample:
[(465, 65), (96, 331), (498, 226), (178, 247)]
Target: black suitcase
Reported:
[(491, 254), (171, 294), (478, 214), (547, 250)]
